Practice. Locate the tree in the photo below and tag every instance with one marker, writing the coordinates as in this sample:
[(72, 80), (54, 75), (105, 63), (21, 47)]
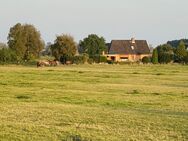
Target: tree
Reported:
[(3, 45), (186, 59), (155, 57), (64, 48), (175, 43), (26, 41), (180, 52), (93, 45), (165, 53)]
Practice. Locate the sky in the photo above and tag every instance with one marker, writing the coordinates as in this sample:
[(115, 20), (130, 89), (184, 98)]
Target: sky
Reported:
[(156, 21)]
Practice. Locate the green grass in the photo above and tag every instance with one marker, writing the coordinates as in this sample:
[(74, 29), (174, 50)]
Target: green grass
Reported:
[(94, 102)]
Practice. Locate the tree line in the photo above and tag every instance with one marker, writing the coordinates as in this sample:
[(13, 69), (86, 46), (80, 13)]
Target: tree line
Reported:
[(167, 53), (25, 44)]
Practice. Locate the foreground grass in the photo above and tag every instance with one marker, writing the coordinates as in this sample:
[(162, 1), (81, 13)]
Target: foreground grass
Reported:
[(96, 102)]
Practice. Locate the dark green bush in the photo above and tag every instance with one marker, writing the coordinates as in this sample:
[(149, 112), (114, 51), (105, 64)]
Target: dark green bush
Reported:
[(8, 56), (146, 60), (186, 59), (80, 59), (103, 59), (100, 59), (166, 58)]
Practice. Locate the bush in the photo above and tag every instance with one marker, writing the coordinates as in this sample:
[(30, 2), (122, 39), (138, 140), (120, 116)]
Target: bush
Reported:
[(146, 60), (80, 59), (166, 58), (110, 62), (100, 59), (8, 56), (90, 61), (103, 59)]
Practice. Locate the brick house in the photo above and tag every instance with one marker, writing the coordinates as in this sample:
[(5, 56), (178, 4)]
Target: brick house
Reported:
[(127, 50)]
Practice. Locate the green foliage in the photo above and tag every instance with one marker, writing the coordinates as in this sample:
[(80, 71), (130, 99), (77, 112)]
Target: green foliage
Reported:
[(155, 57), (180, 52), (80, 59), (99, 59), (103, 59), (64, 48), (146, 60), (26, 41), (186, 58), (3, 45), (7, 55), (84, 58), (165, 54), (175, 43), (93, 45)]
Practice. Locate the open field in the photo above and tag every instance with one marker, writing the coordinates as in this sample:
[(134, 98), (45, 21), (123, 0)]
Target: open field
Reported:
[(97, 102)]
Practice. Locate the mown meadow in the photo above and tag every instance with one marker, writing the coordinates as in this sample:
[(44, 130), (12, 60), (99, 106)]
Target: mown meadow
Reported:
[(94, 102)]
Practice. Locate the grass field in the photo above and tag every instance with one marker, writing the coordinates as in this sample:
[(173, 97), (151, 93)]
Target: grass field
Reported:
[(95, 102)]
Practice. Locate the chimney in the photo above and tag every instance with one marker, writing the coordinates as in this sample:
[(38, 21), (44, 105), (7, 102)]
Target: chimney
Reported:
[(133, 40)]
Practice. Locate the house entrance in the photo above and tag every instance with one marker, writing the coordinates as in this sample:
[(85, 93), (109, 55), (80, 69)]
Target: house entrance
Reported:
[(113, 58)]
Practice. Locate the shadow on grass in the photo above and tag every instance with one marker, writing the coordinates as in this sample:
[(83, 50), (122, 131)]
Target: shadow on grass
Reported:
[(75, 138), (23, 97)]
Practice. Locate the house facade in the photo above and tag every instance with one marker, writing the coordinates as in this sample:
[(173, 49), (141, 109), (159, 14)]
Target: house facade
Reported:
[(127, 50)]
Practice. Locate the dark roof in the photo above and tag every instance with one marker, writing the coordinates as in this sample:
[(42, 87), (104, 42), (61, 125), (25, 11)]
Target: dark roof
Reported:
[(127, 47), (107, 47)]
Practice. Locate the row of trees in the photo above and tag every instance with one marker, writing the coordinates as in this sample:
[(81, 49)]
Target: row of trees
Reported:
[(25, 43), (166, 53), (65, 48)]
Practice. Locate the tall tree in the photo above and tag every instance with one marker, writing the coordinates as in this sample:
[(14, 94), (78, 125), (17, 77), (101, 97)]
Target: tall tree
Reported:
[(93, 45), (180, 52), (64, 48), (25, 40), (155, 57), (165, 53)]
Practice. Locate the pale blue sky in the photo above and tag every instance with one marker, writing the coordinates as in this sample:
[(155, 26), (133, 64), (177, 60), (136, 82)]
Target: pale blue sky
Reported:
[(154, 20)]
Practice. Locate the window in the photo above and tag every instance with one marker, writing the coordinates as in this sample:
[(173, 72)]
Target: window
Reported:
[(124, 58)]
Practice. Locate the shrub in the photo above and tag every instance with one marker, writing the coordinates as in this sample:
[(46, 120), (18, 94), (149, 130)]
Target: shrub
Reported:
[(103, 59), (146, 60), (100, 59), (166, 58), (85, 57), (8, 56), (155, 56), (90, 61), (80, 59)]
